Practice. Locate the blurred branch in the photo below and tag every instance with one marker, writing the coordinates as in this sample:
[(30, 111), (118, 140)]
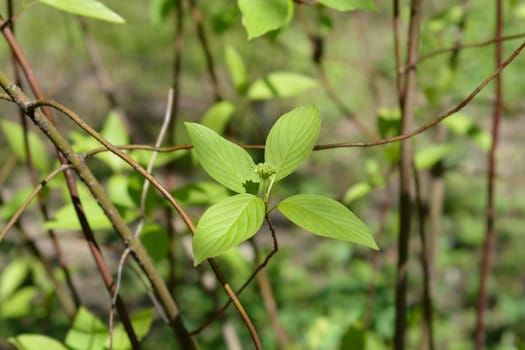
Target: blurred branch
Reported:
[(490, 215), (458, 47), (407, 106), (201, 34)]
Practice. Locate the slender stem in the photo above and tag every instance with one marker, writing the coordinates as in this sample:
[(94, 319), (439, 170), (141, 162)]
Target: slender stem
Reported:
[(405, 192), (490, 215), (428, 332), (460, 46), (30, 198), (248, 280), (201, 34)]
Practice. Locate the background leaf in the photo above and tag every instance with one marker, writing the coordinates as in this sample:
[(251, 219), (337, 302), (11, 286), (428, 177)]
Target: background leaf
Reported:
[(348, 5), (218, 116), (141, 323), (262, 16), (280, 84), (227, 224), (237, 69), (292, 139), (155, 241), (87, 332), (326, 217), (14, 135), (20, 304), (12, 277), (87, 8), (36, 342), (223, 160), (116, 132), (425, 158), (201, 193)]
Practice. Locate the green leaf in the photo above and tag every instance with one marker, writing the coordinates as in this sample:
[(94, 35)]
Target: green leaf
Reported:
[(36, 342), (159, 10), (427, 157), (201, 193), (348, 5), (12, 277), (262, 16), (223, 160), (10, 207), (117, 189), (87, 332), (19, 304), (115, 131), (280, 84), (463, 125), (155, 241), (326, 217), (218, 116), (357, 191), (237, 69), (354, 338), (389, 125), (292, 139), (227, 224), (141, 323), (87, 8), (14, 135)]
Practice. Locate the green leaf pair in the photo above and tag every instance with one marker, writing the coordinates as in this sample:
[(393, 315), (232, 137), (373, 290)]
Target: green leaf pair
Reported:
[(236, 219)]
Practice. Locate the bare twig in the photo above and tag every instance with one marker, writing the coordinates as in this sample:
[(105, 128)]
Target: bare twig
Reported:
[(31, 196), (407, 95), (490, 215)]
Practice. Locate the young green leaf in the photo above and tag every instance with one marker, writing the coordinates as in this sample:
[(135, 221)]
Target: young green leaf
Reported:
[(201, 193), (237, 69), (87, 8), (426, 158), (115, 131), (141, 323), (227, 224), (14, 135), (36, 342), (156, 241), (357, 191), (218, 116), (326, 217), (262, 16), (280, 84), (223, 160), (292, 139), (348, 5), (12, 277), (20, 304), (87, 332)]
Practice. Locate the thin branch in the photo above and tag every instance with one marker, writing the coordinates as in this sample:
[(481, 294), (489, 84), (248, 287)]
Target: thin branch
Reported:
[(490, 215), (201, 34), (428, 331), (31, 196), (458, 47), (407, 97), (250, 279)]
